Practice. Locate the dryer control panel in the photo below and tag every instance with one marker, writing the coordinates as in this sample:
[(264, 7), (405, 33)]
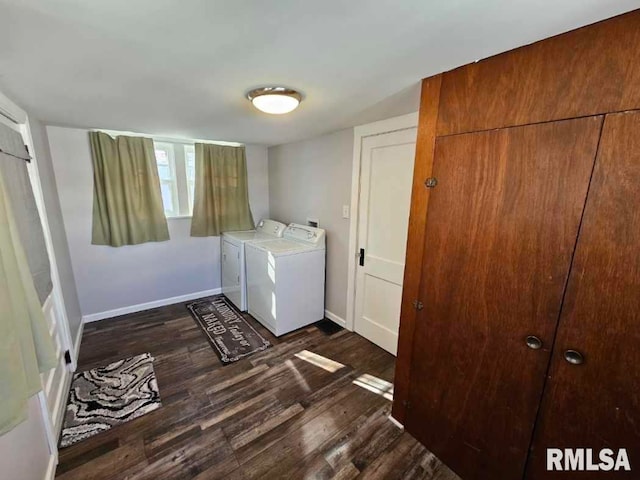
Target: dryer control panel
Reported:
[(271, 227), (305, 234)]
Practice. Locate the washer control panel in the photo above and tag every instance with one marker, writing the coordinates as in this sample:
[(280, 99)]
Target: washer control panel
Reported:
[(305, 234)]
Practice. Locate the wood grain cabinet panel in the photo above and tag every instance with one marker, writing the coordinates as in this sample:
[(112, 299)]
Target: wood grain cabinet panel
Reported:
[(597, 404), (501, 230), (415, 239), (589, 71)]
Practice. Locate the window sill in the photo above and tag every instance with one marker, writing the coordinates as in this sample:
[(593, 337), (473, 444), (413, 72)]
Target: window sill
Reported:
[(179, 217)]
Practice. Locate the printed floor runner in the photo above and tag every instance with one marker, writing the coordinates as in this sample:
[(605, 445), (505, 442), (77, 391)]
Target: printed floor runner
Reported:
[(108, 396), (230, 335)]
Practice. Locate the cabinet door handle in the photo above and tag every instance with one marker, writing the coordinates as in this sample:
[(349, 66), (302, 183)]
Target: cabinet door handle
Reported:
[(533, 342), (574, 357)]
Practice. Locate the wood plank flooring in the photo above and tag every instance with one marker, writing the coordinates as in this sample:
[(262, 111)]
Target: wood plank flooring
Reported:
[(272, 415)]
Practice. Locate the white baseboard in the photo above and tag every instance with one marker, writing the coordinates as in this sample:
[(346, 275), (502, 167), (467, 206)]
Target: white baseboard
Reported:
[(396, 422), (94, 317), (332, 316)]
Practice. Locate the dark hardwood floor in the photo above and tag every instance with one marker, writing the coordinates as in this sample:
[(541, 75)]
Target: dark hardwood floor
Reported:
[(272, 415)]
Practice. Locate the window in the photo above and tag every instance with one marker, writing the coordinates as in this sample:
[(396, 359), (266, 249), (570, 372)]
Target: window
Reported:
[(177, 171), (165, 158), (190, 158)]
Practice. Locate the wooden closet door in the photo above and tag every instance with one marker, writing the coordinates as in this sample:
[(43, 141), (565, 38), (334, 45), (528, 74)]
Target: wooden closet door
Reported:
[(596, 404), (501, 230)]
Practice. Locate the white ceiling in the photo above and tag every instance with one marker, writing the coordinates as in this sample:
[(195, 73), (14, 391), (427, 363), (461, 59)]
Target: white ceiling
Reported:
[(180, 68)]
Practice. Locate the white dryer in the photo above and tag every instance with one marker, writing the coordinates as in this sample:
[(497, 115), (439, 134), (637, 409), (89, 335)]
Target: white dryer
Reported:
[(285, 279), (232, 262)]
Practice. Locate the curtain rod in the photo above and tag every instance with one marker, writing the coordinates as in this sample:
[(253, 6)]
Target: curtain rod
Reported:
[(160, 138), (28, 159), (6, 114)]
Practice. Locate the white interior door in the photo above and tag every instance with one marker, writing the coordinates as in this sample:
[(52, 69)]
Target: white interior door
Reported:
[(55, 383), (386, 173)]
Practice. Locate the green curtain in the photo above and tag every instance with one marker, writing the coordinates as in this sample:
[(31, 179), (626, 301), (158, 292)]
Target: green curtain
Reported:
[(26, 348), (27, 218), (221, 197), (127, 202), (14, 159)]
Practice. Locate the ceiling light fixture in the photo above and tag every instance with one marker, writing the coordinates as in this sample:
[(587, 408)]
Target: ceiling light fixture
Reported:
[(275, 100)]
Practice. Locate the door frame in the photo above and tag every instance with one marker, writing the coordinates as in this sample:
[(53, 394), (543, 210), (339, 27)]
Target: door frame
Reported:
[(19, 117), (15, 116), (394, 124)]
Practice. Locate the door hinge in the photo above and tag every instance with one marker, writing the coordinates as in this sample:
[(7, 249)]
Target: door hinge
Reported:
[(431, 182), (361, 257), (418, 305), (67, 357)]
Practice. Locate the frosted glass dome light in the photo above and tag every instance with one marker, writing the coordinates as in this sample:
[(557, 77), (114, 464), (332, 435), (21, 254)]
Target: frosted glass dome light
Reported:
[(275, 100)]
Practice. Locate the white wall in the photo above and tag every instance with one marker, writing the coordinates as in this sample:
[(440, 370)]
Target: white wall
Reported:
[(312, 178), (110, 278), (24, 453)]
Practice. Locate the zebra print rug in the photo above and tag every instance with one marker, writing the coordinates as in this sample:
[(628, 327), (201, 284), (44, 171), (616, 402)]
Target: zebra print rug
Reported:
[(108, 396)]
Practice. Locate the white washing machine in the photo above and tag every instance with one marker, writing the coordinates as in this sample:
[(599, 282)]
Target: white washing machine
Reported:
[(232, 262), (285, 279)]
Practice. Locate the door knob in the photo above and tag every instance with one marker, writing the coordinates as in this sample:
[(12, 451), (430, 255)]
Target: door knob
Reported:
[(533, 342), (573, 357)]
